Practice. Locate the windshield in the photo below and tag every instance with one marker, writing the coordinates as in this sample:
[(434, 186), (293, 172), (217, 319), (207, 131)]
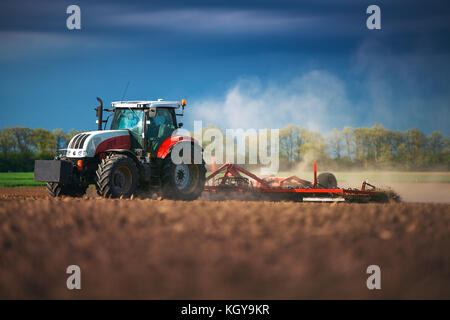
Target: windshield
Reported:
[(128, 119)]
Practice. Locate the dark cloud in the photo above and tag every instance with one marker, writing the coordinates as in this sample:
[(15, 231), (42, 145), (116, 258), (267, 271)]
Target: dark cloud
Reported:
[(401, 68)]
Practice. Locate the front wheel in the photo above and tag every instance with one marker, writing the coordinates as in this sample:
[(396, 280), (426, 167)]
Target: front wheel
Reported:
[(116, 176), (56, 189), (182, 181)]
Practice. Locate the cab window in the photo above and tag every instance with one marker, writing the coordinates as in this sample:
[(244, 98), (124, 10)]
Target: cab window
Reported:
[(162, 125)]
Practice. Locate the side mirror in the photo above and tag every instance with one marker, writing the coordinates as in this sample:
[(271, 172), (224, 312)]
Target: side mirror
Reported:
[(180, 124), (152, 112)]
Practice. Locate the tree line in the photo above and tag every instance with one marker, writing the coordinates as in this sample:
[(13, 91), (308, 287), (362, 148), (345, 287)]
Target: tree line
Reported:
[(349, 148), (365, 148), (20, 146)]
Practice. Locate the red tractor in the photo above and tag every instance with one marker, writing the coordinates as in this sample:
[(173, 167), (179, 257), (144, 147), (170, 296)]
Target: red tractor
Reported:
[(142, 150)]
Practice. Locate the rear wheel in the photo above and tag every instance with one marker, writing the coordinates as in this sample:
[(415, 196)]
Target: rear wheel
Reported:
[(116, 176), (182, 181), (56, 189)]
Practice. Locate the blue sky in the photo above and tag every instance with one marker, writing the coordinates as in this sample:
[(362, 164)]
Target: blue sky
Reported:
[(240, 64)]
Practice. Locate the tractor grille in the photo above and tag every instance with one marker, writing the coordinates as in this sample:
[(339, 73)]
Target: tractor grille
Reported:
[(78, 141)]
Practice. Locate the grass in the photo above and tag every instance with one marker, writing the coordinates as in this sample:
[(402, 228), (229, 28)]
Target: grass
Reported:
[(25, 179), (18, 179)]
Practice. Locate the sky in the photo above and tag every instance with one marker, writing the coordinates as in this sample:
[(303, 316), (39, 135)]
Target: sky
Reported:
[(239, 64)]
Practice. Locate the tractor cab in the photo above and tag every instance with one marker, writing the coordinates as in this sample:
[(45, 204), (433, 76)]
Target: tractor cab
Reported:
[(149, 122)]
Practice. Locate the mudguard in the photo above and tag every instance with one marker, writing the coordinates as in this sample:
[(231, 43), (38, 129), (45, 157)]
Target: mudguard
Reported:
[(177, 143)]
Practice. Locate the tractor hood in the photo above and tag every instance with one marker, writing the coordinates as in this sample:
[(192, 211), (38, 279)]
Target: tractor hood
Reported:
[(88, 144)]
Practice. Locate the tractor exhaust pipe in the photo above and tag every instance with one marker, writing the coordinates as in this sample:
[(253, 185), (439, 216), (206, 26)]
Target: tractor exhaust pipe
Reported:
[(99, 111)]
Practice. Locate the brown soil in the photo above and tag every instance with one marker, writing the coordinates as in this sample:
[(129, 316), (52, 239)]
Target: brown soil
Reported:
[(409, 192), (212, 250)]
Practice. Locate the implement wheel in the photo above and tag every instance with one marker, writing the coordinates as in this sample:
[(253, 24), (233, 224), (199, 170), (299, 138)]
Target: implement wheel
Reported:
[(327, 180)]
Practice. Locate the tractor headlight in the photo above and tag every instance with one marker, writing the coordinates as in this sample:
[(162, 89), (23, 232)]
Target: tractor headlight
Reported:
[(82, 153)]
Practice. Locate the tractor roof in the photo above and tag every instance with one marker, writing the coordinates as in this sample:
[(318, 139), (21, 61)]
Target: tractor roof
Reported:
[(146, 104)]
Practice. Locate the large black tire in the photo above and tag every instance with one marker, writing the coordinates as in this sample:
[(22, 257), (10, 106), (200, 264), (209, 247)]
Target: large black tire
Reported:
[(117, 176), (182, 182), (327, 180), (55, 189)]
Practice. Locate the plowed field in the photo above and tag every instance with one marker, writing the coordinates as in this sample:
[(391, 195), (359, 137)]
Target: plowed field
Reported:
[(152, 249)]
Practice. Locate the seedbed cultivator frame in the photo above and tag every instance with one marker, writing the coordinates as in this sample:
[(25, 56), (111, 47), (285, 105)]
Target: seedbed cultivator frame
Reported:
[(241, 183)]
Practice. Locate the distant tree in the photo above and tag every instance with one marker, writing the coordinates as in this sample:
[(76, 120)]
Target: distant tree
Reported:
[(289, 142), (314, 146), (45, 143), (415, 145), (7, 142), (362, 145), (446, 145), (61, 139), (347, 134), (335, 141), (24, 139), (435, 142)]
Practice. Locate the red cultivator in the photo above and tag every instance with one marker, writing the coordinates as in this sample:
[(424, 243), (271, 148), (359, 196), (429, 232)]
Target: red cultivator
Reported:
[(237, 182)]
